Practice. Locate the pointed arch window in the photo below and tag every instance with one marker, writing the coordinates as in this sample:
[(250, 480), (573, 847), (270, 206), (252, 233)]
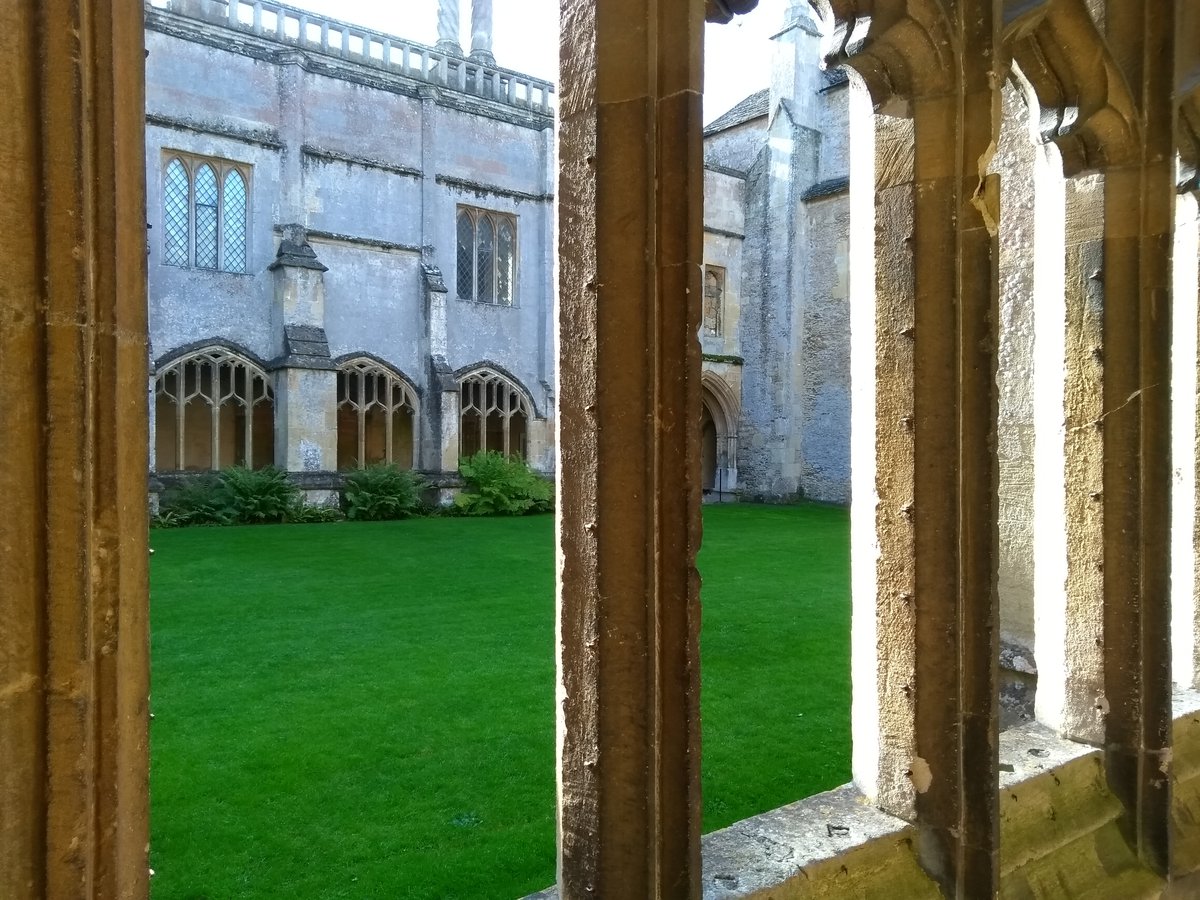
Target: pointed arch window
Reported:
[(205, 213), (213, 409), (487, 257), (376, 417), (495, 415)]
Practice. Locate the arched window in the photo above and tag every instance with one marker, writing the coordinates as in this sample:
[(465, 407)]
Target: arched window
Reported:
[(206, 218), (205, 214), (487, 257), (495, 415), (233, 215), (177, 188), (377, 415), (213, 409)]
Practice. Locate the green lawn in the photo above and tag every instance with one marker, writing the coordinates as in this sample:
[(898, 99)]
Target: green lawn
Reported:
[(366, 709)]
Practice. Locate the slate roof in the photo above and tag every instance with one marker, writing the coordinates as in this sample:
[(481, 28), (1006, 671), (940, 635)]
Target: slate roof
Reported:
[(753, 107)]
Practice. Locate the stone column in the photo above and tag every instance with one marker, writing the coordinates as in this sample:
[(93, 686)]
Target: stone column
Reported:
[(481, 32), (923, 260), (1138, 220), (448, 26), (305, 376), (440, 421), (74, 672), (628, 387), (1185, 540), (1069, 561)]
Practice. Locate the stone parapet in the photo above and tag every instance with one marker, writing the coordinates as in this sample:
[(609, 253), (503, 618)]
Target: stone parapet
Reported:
[(299, 29)]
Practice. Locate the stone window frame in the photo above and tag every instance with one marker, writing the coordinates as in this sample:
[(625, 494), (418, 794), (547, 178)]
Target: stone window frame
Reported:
[(222, 169), (401, 395), (717, 326), (495, 220), (256, 388), (515, 401)]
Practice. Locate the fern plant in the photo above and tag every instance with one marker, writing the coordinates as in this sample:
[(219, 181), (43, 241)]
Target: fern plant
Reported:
[(382, 492), (499, 485)]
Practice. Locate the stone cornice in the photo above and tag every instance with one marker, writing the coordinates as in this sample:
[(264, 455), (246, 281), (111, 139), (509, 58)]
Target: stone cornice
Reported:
[(265, 137), (480, 190), (325, 155)]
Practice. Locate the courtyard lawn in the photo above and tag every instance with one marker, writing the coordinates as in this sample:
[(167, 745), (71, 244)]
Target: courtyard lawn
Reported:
[(366, 709)]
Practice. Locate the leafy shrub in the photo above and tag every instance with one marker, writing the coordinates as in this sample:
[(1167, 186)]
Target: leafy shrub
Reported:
[(382, 492), (199, 501), (257, 496), (303, 514), (236, 496), (499, 485)]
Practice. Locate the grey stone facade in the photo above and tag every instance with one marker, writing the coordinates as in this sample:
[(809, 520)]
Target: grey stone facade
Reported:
[(360, 153)]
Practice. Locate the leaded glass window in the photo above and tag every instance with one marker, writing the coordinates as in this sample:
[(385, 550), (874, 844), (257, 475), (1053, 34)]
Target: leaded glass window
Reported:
[(487, 257), (176, 191), (466, 256), (206, 218), (505, 264), (484, 262), (206, 214), (494, 415), (233, 212)]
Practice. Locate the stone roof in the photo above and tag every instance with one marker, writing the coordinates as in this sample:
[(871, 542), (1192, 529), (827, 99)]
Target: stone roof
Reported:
[(753, 107)]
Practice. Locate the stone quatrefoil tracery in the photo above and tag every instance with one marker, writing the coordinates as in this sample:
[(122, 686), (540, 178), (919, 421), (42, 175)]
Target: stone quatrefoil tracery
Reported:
[(377, 411)]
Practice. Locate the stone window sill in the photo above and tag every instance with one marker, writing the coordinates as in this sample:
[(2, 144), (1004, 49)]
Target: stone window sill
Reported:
[(1056, 816)]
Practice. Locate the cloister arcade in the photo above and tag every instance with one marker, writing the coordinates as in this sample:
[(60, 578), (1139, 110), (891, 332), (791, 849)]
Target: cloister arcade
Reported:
[(1099, 797)]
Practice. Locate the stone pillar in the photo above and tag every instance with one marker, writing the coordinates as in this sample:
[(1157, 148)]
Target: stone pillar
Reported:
[(1138, 220), (923, 257), (628, 387), (1016, 162), (74, 672), (481, 32), (448, 26), (305, 376), (1069, 457), (441, 420), (1185, 538)]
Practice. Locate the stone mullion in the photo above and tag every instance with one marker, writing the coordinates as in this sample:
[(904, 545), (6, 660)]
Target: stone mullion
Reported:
[(73, 649), (936, 315), (1139, 219), (629, 395), (1071, 669), (954, 487)]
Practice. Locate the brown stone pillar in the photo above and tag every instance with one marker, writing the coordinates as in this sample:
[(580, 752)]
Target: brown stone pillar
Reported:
[(934, 608), (1138, 222), (73, 355), (630, 252)]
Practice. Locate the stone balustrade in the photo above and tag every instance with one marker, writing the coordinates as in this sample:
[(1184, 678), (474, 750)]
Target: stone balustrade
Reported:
[(316, 33)]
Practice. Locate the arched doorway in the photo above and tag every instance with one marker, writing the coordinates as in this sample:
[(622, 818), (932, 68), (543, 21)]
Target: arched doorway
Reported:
[(708, 451), (718, 439)]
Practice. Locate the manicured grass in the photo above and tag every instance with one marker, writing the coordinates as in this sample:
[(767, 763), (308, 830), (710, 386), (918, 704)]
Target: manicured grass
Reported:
[(366, 709)]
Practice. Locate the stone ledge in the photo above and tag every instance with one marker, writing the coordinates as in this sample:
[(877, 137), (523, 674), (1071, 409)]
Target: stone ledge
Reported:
[(1060, 834)]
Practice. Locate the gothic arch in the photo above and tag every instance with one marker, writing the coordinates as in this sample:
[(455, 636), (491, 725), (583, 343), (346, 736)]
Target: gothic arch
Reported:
[(214, 407), (495, 412), (719, 423), (1084, 103), (378, 410)]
